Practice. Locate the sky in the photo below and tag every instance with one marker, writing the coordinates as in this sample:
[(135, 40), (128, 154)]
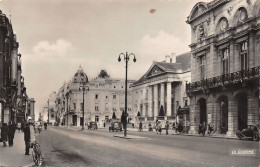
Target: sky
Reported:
[(57, 36)]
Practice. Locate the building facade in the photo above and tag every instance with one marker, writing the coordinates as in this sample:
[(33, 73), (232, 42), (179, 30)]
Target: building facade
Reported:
[(103, 96), (13, 98), (225, 43), (160, 92)]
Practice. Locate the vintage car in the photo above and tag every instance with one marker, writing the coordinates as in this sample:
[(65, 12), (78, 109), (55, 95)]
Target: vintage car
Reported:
[(115, 126), (251, 132), (92, 125)]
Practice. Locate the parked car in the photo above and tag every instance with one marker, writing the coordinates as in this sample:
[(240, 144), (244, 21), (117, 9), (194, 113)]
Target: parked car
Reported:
[(115, 126), (251, 132), (92, 125)]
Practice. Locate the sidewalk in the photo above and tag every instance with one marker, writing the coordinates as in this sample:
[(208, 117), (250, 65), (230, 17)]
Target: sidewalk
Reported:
[(15, 156)]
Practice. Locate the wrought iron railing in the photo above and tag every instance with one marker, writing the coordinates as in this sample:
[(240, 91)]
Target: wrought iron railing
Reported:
[(235, 77)]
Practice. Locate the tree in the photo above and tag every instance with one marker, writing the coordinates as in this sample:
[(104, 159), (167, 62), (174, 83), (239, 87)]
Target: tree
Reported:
[(114, 115), (138, 114), (161, 113), (103, 74)]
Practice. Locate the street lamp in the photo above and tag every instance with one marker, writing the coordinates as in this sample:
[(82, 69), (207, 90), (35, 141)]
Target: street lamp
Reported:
[(83, 88), (126, 58), (67, 97), (48, 111)]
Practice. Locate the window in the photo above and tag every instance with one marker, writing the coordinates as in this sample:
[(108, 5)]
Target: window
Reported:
[(96, 96), (106, 118), (96, 108), (106, 97), (81, 106), (202, 62), (114, 96), (225, 58), (74, 104), (141, 109), (244, 55), (96, 118)]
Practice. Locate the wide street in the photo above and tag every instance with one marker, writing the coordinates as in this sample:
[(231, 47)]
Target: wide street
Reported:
[(69, 147)]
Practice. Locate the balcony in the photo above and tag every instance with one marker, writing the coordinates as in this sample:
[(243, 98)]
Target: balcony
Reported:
[(227, 79)]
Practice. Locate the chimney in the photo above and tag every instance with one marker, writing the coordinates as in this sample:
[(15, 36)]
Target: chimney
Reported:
[(173, 58), (167, 58)]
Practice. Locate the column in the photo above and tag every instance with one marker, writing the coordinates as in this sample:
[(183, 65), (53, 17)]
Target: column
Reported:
[(169, 99), (251, 50), (237, 63), (232, 118), (231, 56), (162, 96), (252, 117), (156, 111), (150, 101)]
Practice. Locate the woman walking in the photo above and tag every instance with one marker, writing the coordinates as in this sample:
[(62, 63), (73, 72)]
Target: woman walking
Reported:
[(11, 131)]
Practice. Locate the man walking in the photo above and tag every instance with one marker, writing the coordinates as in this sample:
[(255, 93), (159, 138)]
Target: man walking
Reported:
[(27, 138), (45, 125), (4, 134), (11, 132), (167, 127)]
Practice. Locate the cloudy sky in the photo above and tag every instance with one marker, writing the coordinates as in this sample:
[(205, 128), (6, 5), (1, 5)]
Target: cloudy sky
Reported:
[(56, 36)]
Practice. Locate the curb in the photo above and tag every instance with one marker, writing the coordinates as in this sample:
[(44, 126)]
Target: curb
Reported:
[(130, 137), (220, 137)]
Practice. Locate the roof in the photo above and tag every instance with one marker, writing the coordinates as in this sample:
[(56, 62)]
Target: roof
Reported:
[(182, 65)]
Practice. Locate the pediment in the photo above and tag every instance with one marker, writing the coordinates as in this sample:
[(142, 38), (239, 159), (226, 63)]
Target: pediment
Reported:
[(155, 70)]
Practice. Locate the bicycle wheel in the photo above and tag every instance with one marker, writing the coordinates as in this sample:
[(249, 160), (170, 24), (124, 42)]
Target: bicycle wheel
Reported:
[(39, 160)]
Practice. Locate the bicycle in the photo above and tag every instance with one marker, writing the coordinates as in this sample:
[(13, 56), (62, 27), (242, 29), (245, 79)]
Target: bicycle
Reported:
[(36, 153)]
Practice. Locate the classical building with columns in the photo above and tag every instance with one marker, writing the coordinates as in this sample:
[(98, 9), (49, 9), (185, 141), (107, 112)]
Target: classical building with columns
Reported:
[(225, 47), (160, 92)]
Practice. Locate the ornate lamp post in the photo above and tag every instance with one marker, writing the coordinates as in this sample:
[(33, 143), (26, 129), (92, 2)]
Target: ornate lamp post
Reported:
[(126, 58), (83, 88)]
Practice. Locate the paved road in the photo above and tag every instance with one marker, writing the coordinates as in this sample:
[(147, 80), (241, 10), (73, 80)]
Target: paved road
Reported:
[(67, 147)]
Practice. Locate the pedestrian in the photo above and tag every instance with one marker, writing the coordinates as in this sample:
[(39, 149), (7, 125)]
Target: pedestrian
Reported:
[(45, 125), (167, 127), (22, 126), (19, 125), (140, 126), (150, 126), (180, 127), (11, 132), (159, 127), (156, 126), (203, 128), (210, 128), (104, 124), (4, 134), (27, 138)]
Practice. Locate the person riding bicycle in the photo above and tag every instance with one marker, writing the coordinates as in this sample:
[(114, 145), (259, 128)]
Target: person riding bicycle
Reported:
[(39, 128)]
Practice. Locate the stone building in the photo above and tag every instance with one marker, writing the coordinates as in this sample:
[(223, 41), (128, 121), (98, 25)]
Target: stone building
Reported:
[(102, 96), (225, 43), (13, 98), (163, 87)]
